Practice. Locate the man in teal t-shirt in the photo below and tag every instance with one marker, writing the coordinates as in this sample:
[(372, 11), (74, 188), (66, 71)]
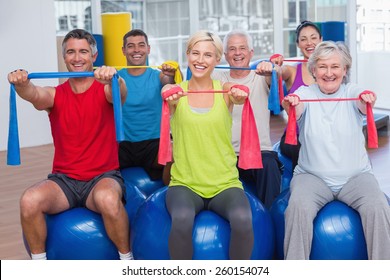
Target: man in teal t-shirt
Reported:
[(142, 109)]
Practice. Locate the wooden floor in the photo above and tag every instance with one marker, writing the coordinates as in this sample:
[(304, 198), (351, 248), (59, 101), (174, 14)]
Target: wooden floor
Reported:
[(36, 164)]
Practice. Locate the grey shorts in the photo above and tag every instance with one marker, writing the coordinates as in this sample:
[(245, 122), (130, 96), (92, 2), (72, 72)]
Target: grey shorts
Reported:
[(77, 191)]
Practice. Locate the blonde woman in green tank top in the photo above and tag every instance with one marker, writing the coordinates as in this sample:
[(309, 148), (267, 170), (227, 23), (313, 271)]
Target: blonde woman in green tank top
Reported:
[(204, 174)]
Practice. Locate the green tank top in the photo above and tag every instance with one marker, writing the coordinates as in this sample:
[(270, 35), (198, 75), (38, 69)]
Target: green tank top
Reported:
[(204, 158)]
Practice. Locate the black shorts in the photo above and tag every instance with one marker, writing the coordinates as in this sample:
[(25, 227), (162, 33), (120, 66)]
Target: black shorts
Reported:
[(141, 154), (77, 191)]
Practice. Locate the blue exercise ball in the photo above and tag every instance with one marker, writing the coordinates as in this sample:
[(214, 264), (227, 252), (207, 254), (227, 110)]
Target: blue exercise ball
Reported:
[(149, 235), (137, 176), (134, 199), (211, 233), (78, 234), (338, 234), (337, 231)]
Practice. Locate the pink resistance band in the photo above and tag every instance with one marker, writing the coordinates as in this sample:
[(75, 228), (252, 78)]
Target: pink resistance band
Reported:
[(291, 134), (250, 153)]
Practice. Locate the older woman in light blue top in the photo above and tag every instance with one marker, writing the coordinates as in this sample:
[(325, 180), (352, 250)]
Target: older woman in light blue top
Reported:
[(333, 162)]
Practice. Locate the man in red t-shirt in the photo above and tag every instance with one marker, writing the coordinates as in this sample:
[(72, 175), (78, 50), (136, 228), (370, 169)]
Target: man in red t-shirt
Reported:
[(85, 166)]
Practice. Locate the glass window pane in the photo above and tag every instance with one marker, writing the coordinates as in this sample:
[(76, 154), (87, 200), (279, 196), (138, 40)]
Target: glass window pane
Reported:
[(222, 16), (373, 25), (314, 10), (168, 28), (77, 13)]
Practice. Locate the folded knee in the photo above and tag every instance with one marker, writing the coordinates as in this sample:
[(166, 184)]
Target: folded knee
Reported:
[(184, 217), (241, 221), (30, 202)]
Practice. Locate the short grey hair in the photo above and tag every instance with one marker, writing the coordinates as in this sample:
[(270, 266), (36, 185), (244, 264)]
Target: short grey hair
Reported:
[(80, 34), (237, 32), (327, 48)]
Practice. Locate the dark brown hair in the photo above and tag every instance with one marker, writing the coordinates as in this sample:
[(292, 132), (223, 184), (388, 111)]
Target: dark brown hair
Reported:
[(304, 24)]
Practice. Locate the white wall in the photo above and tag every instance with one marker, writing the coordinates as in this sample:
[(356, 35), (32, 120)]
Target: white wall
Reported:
[(373, 75), (28, 40)]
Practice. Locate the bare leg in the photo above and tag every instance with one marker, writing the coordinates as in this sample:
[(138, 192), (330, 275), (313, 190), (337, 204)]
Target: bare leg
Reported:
[(106, 199), (45, 197)]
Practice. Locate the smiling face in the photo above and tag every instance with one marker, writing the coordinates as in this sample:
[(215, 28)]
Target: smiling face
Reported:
[(329, 73), (136, 50), (308, 39), (78, 55), (238, 53), (202, 59)]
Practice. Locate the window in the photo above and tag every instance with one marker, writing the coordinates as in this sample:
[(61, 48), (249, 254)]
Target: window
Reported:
[(77, 13), (373, 25)]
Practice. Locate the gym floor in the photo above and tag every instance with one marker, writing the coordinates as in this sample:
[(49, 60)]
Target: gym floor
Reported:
[(36, 164)]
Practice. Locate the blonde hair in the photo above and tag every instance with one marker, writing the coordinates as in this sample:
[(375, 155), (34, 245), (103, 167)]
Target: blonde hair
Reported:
[(206, 36)]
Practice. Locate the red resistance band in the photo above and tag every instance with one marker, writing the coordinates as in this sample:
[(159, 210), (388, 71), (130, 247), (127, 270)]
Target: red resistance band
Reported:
[(250, 153), (291, 134), (276, 55)]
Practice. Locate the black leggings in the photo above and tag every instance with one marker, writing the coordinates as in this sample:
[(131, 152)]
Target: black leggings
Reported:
[(290, 151), (232, 204)]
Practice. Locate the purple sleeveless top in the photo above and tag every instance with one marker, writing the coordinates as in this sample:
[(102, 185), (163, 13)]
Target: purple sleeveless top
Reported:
[(298, 81)]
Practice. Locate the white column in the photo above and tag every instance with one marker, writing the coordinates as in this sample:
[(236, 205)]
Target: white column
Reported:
[(351, 37), (96, 11), (194, 16), (278, 26)]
